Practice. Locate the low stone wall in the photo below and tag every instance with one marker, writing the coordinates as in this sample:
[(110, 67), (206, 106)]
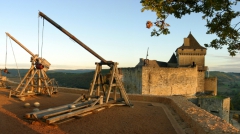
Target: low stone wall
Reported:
[(201, 121)]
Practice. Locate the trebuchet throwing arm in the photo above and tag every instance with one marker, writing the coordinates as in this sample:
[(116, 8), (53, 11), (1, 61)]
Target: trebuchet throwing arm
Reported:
[(74, 38), (20, 44)]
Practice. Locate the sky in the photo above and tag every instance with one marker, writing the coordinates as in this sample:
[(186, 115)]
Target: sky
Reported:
[(114, 29)]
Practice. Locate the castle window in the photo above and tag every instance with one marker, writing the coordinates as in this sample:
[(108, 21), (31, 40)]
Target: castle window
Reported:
[(212, 111), (194, 49), (182, 49)]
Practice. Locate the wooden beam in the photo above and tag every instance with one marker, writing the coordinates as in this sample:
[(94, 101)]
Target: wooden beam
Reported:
[(75, 113)]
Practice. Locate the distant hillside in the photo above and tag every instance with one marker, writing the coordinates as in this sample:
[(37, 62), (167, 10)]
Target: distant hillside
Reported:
[(224, 77), (82, 77), (14, 72), (66, 78), (228, 83), (75, 80), (71, 71)]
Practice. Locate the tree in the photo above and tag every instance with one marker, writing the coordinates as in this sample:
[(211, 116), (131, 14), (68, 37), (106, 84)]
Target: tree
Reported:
[(217, 13)]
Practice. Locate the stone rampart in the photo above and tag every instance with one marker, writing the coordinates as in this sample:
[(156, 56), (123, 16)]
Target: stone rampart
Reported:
[(201, 81), (132, 80), (216, 105), (169, 81), (211, 85), (200, 120)]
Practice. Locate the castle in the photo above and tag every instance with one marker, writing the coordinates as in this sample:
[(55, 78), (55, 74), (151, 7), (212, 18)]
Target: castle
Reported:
[(184, 73)]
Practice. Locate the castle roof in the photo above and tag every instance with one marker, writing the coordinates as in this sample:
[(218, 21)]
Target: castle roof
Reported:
[(173, 59), (193, 43)]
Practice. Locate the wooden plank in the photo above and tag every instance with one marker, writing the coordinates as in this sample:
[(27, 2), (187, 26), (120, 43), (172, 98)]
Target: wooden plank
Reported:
[(99, 109), (42, 113), (64, 111), (100, 98), (78, 99), (82, 115), (111, 105), (74, 113)]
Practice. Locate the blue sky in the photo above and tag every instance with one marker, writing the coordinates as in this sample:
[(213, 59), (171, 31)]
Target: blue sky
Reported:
[(113, 29)]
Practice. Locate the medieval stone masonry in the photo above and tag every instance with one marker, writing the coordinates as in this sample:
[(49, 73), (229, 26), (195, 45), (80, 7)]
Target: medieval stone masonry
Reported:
[(183, 74)]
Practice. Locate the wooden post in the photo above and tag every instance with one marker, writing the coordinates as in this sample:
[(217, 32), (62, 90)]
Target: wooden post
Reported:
[(24, 78), (45, 82), (115, 93), (94, 79), (26, 84), (112, 72), (39, 83)]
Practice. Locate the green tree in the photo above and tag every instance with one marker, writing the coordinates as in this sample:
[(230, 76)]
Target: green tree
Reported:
[(217, 13)]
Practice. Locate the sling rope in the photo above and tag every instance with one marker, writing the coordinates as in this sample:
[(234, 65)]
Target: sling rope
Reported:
[(15, 61), (38, 36), (42, 37), (6, 53)]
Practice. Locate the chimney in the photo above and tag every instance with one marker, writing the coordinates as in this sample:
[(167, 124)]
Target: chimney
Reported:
[(186, 42)]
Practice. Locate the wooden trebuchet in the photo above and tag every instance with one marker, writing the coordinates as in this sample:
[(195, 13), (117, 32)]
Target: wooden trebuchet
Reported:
[(97, 77), (36, 80), (104, 91)]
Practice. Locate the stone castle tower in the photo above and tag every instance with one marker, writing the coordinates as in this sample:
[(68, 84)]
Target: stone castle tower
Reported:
[(183, 74), (191, 52)]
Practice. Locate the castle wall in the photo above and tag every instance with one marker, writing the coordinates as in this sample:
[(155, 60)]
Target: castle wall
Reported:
[(169, 81), (218, 106), (226, 109), (211, 85), (132, 79), (188, 59), (201, 81)]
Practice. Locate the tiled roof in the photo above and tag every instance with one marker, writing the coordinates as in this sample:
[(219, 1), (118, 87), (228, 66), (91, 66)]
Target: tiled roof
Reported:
[(193, 43), (161, 64), (173, 59)]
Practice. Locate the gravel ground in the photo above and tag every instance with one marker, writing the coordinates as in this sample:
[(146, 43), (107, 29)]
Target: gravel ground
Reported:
[(144, 118)]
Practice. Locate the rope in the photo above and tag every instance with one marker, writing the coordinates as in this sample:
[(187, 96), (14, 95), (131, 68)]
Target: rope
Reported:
[(6, 53), (15, 61), (42, 37), (38, 35)]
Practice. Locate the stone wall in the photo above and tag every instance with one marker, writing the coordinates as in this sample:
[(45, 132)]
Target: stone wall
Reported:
[(211, 85), (132, 80), (169, 81), (201, 121), (219, 106), (226, 109), (201, 81)]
